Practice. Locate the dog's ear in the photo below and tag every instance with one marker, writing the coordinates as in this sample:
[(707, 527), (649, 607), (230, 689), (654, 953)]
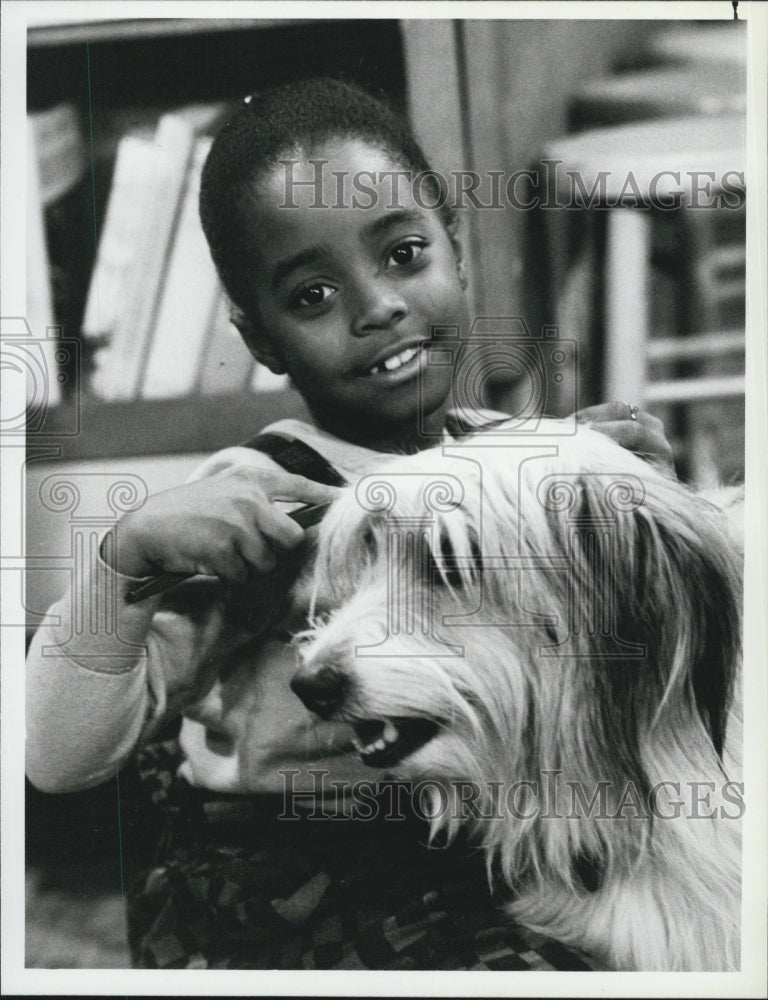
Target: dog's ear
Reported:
[(656, 583), (686, 599), (589, 870), (707, 565)]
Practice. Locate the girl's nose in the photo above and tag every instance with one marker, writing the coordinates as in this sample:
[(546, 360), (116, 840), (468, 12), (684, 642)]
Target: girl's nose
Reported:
[(379, 307)]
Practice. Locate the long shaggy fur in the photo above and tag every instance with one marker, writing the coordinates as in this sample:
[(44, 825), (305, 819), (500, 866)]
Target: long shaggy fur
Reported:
[(568, 617)]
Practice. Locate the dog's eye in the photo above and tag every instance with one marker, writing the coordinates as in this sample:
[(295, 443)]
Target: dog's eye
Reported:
[(368, 542), (452, 570), (477, 557), (445, 573), (317, 621), (551, 634)]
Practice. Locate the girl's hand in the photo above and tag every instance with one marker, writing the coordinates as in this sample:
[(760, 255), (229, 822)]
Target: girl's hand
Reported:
[(643, 435), (225, 526)]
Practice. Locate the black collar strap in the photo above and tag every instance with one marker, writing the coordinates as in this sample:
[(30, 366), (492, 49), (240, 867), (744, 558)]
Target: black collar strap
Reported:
[(301, 459), (297, 457)]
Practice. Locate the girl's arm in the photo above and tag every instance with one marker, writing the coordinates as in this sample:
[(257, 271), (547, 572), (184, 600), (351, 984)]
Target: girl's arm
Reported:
[(89, 693), (104, 675)]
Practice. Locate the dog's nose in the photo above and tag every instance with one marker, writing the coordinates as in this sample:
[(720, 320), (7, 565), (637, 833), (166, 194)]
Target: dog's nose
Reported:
[(322, 691)]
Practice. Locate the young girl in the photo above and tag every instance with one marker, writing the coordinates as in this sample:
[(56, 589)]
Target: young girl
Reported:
[(341, 285)]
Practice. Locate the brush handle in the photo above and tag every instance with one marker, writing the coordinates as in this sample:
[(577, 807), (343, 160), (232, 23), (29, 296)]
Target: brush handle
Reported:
[(304, 516)]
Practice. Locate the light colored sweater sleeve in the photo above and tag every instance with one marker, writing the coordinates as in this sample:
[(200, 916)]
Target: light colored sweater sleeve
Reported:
[(103, 675), (90, 691)]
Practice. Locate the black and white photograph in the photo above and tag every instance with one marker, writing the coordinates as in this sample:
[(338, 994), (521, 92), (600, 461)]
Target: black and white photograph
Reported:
[(384, 486)]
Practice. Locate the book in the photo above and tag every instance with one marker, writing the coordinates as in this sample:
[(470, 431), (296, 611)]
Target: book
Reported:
[(149, 202), (122, 363), (189, 294), (61, 155), (59, 175), (129, 203), (43, 387), (227, 363)]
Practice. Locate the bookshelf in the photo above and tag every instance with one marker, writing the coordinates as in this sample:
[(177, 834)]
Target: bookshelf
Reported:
[(127, 73), (51, 32), (163, 426), (123, 75)]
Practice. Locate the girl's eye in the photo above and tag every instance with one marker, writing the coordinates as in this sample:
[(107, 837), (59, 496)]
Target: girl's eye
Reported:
[(405, 253), (314, 295)]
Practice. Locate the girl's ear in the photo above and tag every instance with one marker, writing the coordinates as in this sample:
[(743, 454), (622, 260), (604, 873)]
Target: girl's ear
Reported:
[(462, 271), (257, 341), (458, 251)]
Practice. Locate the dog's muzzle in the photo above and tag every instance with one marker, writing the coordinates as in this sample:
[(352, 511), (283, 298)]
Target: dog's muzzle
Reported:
[(322, 691), (381, 742)]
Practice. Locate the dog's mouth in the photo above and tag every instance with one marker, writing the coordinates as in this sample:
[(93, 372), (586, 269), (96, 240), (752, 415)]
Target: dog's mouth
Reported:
[(384, 742)]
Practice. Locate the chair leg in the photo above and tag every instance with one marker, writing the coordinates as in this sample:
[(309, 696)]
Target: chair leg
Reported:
[(627, 268)]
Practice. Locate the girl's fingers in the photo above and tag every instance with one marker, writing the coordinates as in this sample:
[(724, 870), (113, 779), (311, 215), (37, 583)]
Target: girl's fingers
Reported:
[(280, 530), (294, 488), (232, 559), (278, 485), (257, 552), (272, 522)]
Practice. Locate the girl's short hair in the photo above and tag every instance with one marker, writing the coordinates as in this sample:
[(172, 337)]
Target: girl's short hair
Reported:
[(273, 123)]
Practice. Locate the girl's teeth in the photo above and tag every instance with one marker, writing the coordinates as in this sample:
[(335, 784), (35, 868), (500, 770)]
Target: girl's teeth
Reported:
[(396, 361)]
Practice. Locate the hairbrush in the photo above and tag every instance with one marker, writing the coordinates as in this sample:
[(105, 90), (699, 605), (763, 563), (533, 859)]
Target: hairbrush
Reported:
[(304, 516)]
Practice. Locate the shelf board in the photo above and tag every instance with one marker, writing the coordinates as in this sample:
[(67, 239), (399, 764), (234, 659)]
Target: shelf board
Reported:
[(192, 424), (77, 32)]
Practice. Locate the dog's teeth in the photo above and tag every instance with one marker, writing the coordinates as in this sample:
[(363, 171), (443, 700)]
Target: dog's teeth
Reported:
[(357, 744), (379, 744), (390, 733)]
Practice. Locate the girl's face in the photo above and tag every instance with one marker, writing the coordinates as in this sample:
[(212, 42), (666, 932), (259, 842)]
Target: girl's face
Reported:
[(349, 294)]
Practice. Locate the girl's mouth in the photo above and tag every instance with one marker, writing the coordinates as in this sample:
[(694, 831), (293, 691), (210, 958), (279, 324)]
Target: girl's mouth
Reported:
[(396, 361), (399, 367)]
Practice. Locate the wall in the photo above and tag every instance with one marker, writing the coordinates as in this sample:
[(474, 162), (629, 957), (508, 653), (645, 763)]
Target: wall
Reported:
[(81, 489), (489, 95)]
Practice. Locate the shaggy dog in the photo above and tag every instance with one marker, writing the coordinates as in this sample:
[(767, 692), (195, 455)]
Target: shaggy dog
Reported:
[(548, 629)]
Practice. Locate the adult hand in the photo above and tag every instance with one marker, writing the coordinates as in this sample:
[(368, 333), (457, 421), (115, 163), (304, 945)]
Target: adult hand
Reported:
[(632, 428)]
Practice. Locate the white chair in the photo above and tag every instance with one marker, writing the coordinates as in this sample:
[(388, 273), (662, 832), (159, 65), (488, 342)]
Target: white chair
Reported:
[(605, 293)]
